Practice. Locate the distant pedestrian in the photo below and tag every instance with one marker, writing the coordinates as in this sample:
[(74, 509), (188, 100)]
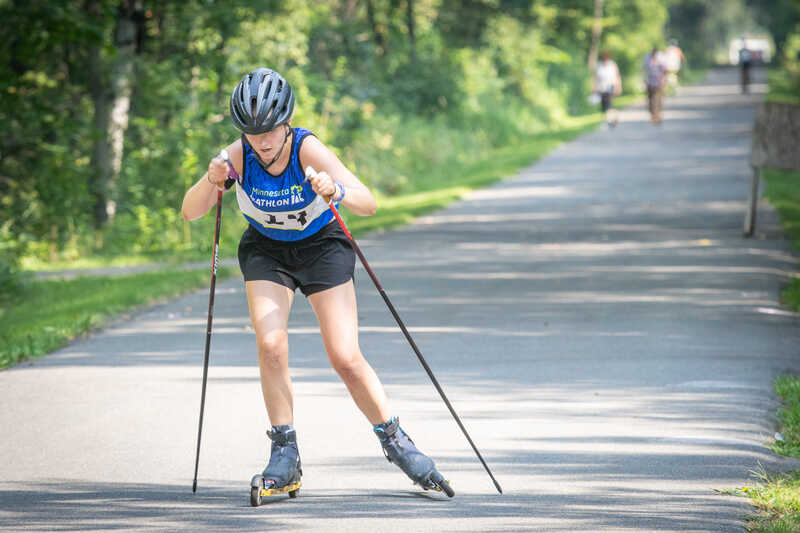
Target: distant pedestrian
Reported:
[(745, 60), (654, 78), (608, 84), (673, 61)]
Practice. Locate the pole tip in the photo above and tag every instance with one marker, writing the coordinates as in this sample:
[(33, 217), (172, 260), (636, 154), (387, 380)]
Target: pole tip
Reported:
[(194, 486), (497, 486)]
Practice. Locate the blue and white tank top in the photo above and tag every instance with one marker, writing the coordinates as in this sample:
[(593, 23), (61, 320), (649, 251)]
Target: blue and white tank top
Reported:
[(284, 207)]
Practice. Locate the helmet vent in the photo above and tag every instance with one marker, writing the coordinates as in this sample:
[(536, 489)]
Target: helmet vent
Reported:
[(261, 101)]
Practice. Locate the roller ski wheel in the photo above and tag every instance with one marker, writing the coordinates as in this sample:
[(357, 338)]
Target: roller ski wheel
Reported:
[(438, 482), (260, 488), (400, 450), (282, 474)]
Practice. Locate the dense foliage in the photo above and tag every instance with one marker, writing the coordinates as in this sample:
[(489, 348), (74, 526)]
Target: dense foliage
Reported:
[(112, 108), (705, 27)]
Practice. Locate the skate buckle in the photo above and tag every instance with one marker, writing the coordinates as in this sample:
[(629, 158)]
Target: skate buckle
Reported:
[(438, 486)]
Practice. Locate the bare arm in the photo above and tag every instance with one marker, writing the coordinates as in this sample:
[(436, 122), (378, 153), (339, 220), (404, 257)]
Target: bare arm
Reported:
[(202, 196), (331, 170)]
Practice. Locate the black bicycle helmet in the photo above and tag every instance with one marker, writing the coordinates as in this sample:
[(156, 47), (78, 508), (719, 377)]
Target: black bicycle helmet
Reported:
[(262, 101)]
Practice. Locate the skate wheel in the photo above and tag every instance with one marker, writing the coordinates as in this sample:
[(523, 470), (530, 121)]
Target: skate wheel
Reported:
[(255, 496), (293, 493), (441, 484), (445, 487)]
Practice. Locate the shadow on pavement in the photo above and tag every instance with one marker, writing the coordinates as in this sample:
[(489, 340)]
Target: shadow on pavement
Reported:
[(65, 505)]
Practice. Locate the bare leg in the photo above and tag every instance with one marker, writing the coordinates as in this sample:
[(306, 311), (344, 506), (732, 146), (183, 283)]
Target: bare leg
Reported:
[(338, 323), (612, 116), (659, 104), (269, 305)]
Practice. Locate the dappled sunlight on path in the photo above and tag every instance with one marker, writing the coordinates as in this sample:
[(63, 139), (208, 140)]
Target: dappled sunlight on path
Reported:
[(599, 323)]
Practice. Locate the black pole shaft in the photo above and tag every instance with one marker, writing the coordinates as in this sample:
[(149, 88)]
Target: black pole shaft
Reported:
[(411, 342), (214, 261)]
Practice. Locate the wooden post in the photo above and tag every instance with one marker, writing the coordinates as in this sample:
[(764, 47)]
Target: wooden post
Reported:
[(776, 136), (750, 215)]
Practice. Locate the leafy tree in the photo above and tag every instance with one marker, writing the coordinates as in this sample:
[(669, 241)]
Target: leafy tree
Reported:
[(46, 118), (780, 17), (120, 103)]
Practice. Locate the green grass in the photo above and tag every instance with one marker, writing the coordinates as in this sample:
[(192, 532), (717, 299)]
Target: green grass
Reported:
[(34, 264), (777, 496), (47, 314), (782, 189), (788, 388), (782, 88)]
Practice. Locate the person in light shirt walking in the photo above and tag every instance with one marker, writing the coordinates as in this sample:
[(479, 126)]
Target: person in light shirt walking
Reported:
[(673, 61), (608, 84)]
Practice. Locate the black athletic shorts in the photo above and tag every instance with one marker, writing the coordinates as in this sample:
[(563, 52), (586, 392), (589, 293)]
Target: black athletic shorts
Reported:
[(605, 101), (321, 261)]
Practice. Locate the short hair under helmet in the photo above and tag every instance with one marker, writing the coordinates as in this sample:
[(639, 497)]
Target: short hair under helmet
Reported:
[(261, 101)]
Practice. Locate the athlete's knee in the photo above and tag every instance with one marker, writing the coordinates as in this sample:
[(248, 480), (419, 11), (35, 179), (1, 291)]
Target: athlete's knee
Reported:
[(273, 349), (349, 364)]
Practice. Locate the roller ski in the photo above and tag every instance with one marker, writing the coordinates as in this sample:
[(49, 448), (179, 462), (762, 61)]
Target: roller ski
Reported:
[(400, 450), (283, 472)]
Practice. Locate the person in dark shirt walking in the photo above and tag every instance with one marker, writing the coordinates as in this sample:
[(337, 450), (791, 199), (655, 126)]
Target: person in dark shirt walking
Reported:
[(654, 79)]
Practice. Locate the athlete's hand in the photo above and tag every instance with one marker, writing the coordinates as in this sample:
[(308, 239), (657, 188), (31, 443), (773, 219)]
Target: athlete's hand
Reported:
[(218, 172), (322, 184)]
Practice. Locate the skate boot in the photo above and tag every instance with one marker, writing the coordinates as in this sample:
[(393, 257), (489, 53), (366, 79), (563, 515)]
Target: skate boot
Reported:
[(400, 450), (283, 472)]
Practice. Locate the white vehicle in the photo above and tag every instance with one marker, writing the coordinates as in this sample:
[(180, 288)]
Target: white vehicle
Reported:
[(759, 48)]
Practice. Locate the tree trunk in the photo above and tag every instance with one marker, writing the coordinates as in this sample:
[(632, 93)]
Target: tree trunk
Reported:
[(377, 33), (597, 30), (100, 161), (125, 39), (412, 38), (349, 8), (110, 88)]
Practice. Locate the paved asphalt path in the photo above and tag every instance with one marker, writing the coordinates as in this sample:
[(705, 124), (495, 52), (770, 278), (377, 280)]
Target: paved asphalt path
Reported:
[(600, 324)]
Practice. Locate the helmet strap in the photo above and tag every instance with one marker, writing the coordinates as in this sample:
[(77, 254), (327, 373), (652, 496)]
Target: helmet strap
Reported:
[(285, 138)]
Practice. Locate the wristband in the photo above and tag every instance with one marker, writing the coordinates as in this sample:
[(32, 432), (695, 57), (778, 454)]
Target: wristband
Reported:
[(341, 191)]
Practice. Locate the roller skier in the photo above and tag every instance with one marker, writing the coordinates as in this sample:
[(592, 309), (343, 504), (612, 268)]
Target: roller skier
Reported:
[(293, 241)]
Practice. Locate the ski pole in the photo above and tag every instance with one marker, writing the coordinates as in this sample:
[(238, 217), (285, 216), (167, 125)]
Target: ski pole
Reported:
[(214, 262), (311, 172)]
